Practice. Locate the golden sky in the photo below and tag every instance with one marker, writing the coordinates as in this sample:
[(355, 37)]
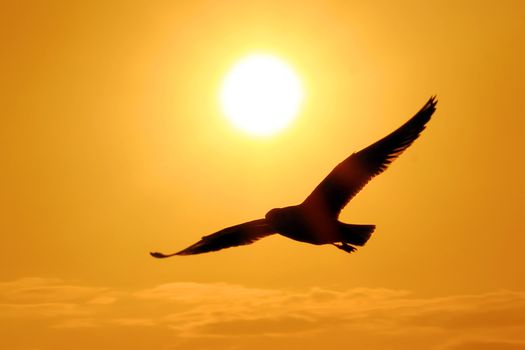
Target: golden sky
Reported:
[(113, 144)]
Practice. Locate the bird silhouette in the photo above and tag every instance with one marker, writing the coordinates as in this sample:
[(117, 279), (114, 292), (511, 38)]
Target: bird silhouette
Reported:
[(315, 220)]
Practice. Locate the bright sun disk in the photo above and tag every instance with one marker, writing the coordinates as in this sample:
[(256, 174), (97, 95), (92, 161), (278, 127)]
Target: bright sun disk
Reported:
[(261, 94)]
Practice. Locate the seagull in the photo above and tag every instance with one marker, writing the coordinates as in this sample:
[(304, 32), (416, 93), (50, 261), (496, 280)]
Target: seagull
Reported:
[(315, 220)]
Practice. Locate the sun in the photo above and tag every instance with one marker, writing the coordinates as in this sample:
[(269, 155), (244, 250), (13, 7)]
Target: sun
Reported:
[(261, 94)]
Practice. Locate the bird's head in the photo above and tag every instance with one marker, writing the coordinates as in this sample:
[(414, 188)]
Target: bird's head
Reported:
[(272, 214)]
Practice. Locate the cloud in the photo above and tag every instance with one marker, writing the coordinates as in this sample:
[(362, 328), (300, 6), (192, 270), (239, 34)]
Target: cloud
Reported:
[(486, 345), (193, 314), (491, 310), (40, 310), (222, 310), (30, 298), (275, 312), (133, 322), (189, 292), (76, 323), (40, 290), (279, 311)]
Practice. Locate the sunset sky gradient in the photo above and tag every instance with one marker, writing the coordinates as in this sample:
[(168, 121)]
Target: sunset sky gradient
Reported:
[(113, 144)]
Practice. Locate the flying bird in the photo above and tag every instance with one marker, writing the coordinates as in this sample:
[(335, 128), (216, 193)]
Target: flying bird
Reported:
[(315, 220)]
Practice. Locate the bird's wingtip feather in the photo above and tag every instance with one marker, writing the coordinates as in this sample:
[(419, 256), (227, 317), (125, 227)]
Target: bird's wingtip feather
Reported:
[(158, 255), (432, 101)]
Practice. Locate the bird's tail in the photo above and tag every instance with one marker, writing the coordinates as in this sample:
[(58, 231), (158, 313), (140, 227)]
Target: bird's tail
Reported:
[(356, 234)]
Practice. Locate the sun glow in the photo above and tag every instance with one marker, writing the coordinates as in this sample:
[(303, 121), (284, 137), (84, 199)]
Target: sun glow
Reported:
[(261, 94)]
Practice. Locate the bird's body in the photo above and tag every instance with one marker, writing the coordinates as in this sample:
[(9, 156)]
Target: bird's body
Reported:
[(315, 220), (302, 224), (295, 223)]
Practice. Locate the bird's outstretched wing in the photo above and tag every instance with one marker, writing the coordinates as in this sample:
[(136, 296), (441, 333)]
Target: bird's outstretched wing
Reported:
[(352, 174), (242, 234)]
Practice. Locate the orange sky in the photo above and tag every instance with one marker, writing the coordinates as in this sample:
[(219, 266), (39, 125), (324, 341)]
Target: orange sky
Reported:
[(113, 145)]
